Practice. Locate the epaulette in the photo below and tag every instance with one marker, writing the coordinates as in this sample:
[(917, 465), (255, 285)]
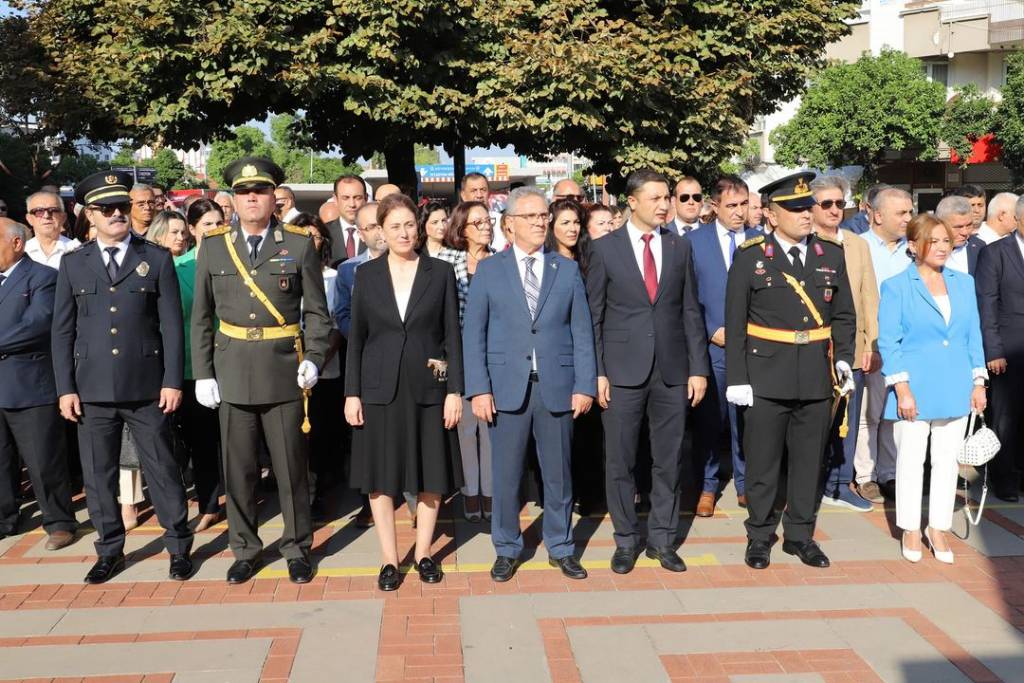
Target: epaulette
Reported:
[(752, 241), (219, 230), (296, 230), (830, 239)]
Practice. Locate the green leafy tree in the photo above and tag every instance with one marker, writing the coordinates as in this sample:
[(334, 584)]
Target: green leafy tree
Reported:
[(427, 155), (852, 114), (73, 168), (125, 156), (969, 115), (242, 141), (1009, 119), (169, 170)]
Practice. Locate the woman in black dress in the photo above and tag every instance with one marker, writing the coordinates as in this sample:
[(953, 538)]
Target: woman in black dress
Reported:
[(403, 386)]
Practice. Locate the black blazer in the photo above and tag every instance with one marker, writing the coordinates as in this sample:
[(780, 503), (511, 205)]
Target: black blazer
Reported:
[(975, 245), (120, 341), (999, 284), (338, 237), (631, 333), (26, 312), (380, 345)]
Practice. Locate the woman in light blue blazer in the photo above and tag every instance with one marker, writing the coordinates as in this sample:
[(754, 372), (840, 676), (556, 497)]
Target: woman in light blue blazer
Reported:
[(929, 335)]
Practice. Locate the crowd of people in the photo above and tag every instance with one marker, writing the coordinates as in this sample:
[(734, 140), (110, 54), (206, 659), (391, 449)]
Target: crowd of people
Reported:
[(415, 352)]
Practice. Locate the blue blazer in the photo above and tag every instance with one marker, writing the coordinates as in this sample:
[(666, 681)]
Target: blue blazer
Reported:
[(26, 313), (857, 223), (499, 337), (712, 275), (343, 283), (914, 338)]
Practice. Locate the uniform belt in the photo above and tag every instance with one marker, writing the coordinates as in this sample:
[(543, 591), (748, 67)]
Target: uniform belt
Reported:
[(789, 336), (259, 333)]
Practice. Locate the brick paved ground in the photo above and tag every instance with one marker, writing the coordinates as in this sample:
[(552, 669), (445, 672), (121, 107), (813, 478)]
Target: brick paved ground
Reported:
[(871, 617)]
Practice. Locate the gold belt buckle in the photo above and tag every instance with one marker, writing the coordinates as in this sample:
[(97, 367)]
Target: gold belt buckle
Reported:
[(254, 334), (802, 337)]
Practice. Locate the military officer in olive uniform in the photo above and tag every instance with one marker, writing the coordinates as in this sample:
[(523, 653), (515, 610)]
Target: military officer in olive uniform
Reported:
[(789, 343), (118, 357), (254, 282)]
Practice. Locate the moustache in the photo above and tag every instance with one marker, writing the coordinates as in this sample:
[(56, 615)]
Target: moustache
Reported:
[(118, 219)]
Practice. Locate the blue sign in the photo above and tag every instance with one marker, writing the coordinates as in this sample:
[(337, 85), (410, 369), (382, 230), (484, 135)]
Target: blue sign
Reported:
[(434, 173)]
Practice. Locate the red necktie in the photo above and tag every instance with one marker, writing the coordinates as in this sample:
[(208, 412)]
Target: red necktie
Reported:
[(650, 270), (350, 243)]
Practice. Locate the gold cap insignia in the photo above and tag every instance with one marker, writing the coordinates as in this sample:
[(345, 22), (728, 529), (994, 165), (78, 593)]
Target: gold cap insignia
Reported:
[(248, 171), (143, 269), (111, 179), (801, 187)]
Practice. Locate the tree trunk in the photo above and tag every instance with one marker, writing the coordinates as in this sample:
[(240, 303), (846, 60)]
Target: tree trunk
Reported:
[(400, 159), (459, 161)]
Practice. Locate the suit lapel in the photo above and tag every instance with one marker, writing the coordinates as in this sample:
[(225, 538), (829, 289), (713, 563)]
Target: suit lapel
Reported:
[(271, 245), (515, 282), (668, 258), (132, 259), (628, 257), (96, 261), (922, 291), (19, 274), (550, 273), (420, 284), (1015, 256)]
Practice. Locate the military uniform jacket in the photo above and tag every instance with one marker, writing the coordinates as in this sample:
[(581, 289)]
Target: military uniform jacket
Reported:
[(118, 341), (288, 271), (757, 292)]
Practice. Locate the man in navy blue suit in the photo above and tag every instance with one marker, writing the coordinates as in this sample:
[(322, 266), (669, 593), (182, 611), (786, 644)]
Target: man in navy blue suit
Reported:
[(30, 423), (956, 212), (713, 247), (528, 351)]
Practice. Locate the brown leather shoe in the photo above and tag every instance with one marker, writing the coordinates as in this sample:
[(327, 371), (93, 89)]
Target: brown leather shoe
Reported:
[(706, 505), (59, 539)]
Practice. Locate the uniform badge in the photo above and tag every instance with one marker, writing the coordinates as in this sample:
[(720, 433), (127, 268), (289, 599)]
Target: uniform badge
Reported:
[(769, 251), (284, 252), (827, 294), (248, 171), (278, 237), (760, 271), (818, 250), (284, 283), (111, 179), (759, 264), (142, 269)]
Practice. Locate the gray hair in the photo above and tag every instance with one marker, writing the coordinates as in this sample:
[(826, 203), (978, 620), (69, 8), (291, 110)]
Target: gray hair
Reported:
[(521, 193), (43, 194), (1019, 209), (952, 205), (12, 229), (224, 193), (1001, 200), (830, 182), (161, 224), (885, 193), (142, 187)]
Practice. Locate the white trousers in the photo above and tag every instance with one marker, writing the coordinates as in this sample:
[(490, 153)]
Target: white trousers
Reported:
[(875, 458), (476, 460), (912, 445)]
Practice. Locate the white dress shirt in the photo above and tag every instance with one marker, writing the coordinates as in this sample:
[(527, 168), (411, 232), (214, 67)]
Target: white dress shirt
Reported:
[(1020, 242), (682, 227), (245, 239), (637, 242), (62, 246), (122, 249), (538, 270), (7, 273), (724, 235), (987, 235), (958, 259), (787, 245)]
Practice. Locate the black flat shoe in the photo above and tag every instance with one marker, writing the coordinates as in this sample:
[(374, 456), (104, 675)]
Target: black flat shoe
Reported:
[(389, 578), (758, 555), (809, 552), (1007, 494), (242, 570), (503, 569), (430, 571), (668, 558), (624, 559), (181, 568), (300, 570), (105, 569), (570, 566)]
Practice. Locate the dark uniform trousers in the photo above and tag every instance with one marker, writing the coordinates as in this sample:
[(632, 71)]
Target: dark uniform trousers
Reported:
[(38, 435), (99, 444), (801, 429)]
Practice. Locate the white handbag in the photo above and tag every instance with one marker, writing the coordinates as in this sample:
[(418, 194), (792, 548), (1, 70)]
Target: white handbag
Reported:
[(977, 449)]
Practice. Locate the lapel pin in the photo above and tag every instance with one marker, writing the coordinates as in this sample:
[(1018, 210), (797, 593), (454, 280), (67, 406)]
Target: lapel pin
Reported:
[(759, 264), (284, 252), (818, 250), (769, 251), (278, 237), (143, 269)]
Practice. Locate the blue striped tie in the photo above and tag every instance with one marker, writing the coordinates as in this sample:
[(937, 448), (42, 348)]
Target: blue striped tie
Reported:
[(531, 286)]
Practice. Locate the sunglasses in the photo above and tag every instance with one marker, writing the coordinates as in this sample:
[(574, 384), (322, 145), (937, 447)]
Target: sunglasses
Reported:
[(574, 197), (698, 197), (46, 212), (109, 209), (829, 203)]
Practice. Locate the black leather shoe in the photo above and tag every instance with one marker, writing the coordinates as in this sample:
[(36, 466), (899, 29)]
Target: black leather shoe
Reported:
[(758, 555), (1007, 494), (181, 567), (300, 570), (668, 558), (624, 559), (809, 552), (389, 578), (888, 489), (430, 571), (105, 568), (570, 566), (503, 569), (242, 570)]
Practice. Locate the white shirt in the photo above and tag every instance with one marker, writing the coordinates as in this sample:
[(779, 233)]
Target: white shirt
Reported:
[(945, 308), (1020, 243), (259, 245), (637, 242), (958, 259), (61, 247), (724, 236), (987, 235), (402, 300), (538, 270), (786, 246), (7, 273), (681, 227), (290, 216), (345, 227), (122, 249), (332, 370)]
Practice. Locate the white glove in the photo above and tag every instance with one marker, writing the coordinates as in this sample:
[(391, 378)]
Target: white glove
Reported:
[(208, 393), (845, 375), (308, 374), (740, 395)]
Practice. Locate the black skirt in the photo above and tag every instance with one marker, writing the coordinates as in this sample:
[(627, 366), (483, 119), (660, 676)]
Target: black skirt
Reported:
[(404, 447)]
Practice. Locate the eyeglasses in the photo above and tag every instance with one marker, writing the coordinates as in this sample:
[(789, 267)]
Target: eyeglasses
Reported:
[(698, 197), (482, 223), (574, 197), (530, 217), (109, 209), (829, 203), (43, 212)]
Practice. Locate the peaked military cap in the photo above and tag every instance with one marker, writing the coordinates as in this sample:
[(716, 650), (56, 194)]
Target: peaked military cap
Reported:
[(253, 172), (104, 188), (791, 192)]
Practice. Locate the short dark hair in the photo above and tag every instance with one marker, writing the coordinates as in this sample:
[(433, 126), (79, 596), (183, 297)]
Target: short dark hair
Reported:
[(348, 177), (200, 208), (421, 222), (969, 191), (728, 183), (455, 235), (391, 203), (470, 176), (306, 220), (290, 191), (642, 176)]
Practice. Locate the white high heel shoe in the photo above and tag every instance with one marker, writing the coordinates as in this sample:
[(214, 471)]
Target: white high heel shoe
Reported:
[(944, 556), (908, 554)]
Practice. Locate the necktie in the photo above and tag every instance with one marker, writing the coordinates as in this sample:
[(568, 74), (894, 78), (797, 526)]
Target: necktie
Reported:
[(798, 262), (687, 228), (732, 247), (650, 269), (111, 262), (254, 247), (350, 242), (531, 286)]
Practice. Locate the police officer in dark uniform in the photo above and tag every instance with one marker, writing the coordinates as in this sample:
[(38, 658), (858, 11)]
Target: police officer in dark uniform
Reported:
[(118, 357), (254, 283), (789, 342)]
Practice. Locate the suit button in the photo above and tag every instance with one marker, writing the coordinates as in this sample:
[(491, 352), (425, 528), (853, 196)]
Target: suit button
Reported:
[(529, 358), (945, 342), (650, 334), (252, 295), (252, 316), (805, 318), (115, 351), (252, 272), (113, 289), (113, 330), (533, 331), (113, 309), (801, 283)]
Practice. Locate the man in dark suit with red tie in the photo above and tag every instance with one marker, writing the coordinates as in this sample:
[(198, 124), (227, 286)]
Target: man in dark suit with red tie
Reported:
[(349, 195), (652, 360)]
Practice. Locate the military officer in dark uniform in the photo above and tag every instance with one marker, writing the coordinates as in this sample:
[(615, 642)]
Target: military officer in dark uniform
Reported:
[(789, 342), (118, 356), (254, 282)]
